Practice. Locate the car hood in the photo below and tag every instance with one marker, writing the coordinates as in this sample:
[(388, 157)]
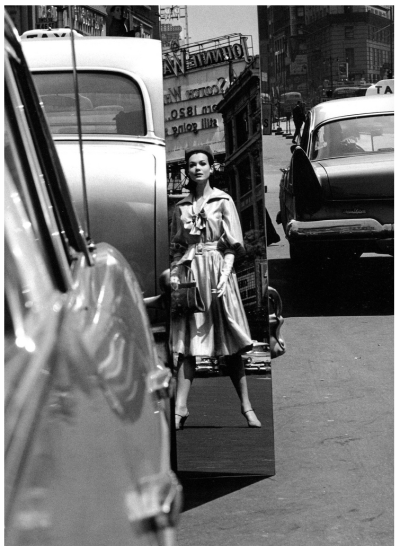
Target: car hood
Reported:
[(358, 177), (120, 180)]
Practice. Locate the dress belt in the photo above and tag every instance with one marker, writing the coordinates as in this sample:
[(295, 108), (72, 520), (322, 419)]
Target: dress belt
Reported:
[(200, 248), (197, 249)]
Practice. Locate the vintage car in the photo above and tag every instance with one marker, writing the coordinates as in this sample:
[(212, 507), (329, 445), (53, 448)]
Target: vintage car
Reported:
[(258, 359), (122, 119), (86, 436), (337, 195), (206, 365)]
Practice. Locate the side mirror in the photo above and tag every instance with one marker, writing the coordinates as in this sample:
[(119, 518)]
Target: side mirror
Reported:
[(293, 147)]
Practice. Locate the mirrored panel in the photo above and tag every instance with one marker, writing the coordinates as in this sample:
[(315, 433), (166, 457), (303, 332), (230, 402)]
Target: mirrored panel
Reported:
[(212, 98)]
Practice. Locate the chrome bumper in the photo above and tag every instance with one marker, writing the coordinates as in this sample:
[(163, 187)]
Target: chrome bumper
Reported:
[(320, 229)]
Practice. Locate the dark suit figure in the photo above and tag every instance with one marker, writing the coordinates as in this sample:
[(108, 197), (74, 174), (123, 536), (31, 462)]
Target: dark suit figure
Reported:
[(298, 119)]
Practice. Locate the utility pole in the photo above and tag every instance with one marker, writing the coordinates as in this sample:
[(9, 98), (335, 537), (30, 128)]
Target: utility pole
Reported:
[(187, 25)]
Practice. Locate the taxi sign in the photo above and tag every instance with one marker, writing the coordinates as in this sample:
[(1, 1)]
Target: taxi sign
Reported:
[(383, 87), (50, 33)]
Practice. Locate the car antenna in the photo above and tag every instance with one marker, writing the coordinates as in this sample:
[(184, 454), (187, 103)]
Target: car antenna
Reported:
[(78, 117)]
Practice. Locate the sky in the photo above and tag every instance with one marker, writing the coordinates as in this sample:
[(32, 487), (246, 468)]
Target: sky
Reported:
[(211, 21)]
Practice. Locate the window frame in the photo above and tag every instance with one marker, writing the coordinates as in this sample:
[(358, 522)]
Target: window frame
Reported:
[(111, 73)]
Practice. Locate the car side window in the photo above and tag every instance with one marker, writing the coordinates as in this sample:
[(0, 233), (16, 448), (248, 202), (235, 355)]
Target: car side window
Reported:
[(24, 166)]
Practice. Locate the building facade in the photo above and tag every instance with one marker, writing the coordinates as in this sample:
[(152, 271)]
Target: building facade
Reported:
[(241, 112), (314, 49), (137, 21), (196, 77)]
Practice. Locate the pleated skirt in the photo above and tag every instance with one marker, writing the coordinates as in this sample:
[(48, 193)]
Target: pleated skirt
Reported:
[(223, 328)]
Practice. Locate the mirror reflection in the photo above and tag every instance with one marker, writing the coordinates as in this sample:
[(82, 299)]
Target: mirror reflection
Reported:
[(219, 316)]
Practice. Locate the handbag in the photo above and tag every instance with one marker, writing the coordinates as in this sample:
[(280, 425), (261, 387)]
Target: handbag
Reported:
[(186, 299), (277, 343)]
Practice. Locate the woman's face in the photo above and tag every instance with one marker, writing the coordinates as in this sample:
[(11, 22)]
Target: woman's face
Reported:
[(199, 168), (117, 12)]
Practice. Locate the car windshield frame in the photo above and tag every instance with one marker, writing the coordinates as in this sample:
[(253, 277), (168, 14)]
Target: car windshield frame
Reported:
[(111, 103), (353, 136)]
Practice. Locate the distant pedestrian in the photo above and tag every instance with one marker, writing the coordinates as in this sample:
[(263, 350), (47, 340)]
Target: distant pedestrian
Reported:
[(298, 119)]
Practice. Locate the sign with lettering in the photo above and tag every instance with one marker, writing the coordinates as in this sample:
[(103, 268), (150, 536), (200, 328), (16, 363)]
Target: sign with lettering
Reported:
[(383, 87), (190, 108), (194, 57)]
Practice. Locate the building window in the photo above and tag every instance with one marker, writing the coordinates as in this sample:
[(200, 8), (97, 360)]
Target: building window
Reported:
[(261, 213), (242, 127), (229, 136), (348, 9), (257, 168), (247, 219), (349, 32), (350, 57), (232, 184), (244, 173)]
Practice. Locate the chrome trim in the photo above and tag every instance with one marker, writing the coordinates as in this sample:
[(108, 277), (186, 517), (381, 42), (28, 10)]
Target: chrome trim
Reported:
[(160, 383), (156, 500), (110, 137), (362, 226)]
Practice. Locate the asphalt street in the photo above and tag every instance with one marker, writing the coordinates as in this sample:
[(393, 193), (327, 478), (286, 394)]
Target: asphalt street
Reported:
[(332, 396)]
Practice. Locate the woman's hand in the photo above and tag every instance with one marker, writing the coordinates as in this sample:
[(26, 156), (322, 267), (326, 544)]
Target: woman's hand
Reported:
[(221, 288)]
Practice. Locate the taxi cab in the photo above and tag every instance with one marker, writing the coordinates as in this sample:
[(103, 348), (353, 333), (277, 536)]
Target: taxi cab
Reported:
[(337, 195), (122, 119), (86, 436)]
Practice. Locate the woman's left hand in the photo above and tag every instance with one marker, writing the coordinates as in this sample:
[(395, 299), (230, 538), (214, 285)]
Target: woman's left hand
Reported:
[(221, 288)]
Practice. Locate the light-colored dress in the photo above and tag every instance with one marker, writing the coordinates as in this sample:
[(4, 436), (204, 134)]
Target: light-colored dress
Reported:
[(201, 241)]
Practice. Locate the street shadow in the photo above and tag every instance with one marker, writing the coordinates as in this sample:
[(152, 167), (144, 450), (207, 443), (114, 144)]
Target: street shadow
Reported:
[(203, 487), (358, 287)]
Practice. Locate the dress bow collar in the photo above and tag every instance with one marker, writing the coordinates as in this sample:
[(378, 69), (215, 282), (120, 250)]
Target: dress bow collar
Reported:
[(196, 223)]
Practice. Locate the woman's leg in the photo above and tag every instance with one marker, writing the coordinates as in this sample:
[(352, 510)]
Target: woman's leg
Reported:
[(184, 379), (238, 377)]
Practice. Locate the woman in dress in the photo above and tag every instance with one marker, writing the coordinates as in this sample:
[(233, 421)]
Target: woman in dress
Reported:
[(206, 235)]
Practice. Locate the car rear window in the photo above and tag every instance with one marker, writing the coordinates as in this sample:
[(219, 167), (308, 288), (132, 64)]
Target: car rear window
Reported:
[(110, 103), (354, 136)]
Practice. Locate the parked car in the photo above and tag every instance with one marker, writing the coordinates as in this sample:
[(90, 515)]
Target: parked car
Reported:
[(337, 195), (122, 117), (258, 359), (87, 449), (206, 365)]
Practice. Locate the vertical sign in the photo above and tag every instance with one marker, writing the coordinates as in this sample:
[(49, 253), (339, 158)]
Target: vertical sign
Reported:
[(267, 118)]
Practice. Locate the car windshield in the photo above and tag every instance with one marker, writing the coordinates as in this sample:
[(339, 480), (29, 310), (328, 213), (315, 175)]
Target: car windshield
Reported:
[(110, 103), (353, 136)]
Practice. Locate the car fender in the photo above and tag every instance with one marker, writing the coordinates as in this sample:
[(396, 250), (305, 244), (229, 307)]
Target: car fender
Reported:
[(307, 189)]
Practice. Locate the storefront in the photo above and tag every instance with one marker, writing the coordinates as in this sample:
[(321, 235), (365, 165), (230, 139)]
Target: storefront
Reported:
[(195, 80), (89, 20)]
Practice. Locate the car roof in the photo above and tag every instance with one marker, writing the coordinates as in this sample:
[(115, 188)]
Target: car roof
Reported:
[(339, 108), (139, 57)]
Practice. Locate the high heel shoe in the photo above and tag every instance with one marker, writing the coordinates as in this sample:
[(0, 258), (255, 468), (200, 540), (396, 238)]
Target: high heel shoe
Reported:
[(180, 422), (252, 422)]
